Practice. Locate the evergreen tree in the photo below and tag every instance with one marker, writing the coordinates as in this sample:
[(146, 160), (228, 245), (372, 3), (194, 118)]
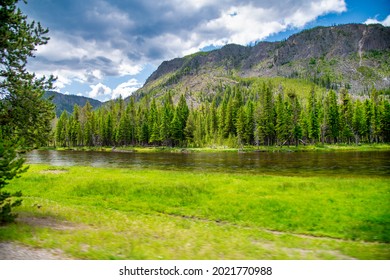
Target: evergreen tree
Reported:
[(25, 116), (370, 119), (266, 123), (10, 167), (313, 110), (249, 127), (221, 117), (295, 122), (179, 120), (346, 112), (213, 127), (176, 126), (385, 120), (190, 128), (305, 124), (240, 127), (183, 111), (123, 133), (153, 123), (333, 119), (166, 121), (90, 126), (281, 128), (108, 130), (358, 121), (228, 128), (62, 130)]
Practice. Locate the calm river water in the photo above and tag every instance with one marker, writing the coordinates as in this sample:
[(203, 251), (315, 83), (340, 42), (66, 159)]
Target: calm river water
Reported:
[(301, 163)]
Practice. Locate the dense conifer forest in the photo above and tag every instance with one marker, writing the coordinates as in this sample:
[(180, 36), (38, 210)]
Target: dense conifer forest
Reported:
[(244, 114)]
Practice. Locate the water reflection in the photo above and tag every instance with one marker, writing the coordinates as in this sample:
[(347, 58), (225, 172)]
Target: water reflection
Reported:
[(304, 163)]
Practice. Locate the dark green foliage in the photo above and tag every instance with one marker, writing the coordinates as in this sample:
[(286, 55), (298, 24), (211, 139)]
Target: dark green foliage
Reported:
[(247, 114), (10, 167), (25, 116), (313, 117), (333, 120)]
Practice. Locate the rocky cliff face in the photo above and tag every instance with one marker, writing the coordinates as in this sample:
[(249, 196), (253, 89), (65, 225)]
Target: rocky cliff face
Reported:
[(335, 41), (356, 55)]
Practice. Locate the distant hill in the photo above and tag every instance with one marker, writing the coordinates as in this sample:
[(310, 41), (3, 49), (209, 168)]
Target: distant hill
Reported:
[(67, 102), (355, 56)]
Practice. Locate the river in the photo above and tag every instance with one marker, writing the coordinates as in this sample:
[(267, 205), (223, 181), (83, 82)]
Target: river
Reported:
[(289, 164)]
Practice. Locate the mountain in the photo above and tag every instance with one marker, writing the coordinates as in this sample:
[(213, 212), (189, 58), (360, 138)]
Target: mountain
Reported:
[(66, 102), (355, 56)]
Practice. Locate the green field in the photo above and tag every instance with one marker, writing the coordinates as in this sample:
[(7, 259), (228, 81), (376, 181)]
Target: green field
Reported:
[(114, 213)]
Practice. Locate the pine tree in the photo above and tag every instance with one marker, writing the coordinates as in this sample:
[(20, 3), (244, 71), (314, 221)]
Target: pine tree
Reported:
[(228, 128), (249, 123), (166, 121), (370, 119), (179, 120), (266, 123), (11, 167), (346, 115), (190, 128), (385, 120), (281, 128), (240, 127), (358, 121), (295, 122), (62, 130), (314, 132), (153, 123), (123, 133), (333, 119)]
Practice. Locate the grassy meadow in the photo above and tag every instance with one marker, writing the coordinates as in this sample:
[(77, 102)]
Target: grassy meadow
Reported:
[(118, 213)]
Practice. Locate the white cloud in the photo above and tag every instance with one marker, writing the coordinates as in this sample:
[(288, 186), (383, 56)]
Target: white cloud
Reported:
[(247, 23), (103, 93), (385, 22), (126, 89), (100, 92), (75, 58)]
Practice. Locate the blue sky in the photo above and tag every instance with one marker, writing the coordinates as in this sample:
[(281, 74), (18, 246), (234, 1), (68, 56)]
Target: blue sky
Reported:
[(104, 48)]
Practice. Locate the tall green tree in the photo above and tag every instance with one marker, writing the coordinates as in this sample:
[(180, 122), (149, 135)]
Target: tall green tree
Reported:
[(62, 130), (333, 118), (249, 123), (313, 111), (346, 115), (25, 117), (359, 121), (153, 123)]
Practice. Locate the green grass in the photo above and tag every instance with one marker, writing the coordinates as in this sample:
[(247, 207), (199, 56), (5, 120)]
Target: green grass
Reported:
[(107, 213)]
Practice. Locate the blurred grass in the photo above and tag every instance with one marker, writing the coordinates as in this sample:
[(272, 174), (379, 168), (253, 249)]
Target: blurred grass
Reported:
[(152, 214)]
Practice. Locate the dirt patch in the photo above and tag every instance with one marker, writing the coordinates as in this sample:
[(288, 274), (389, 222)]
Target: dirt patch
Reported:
[(14, 251), (49, 222)]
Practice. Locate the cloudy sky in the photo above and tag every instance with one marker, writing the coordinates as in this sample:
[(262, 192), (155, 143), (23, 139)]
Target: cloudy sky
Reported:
[(104, 48)]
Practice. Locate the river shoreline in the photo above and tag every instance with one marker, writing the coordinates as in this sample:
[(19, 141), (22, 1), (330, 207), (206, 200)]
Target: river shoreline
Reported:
[(224, 149)]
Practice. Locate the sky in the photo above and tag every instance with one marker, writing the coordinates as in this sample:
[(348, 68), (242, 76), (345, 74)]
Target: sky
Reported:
[(106, 48)]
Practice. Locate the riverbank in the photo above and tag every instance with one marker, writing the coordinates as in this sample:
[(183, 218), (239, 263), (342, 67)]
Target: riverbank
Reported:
[(118, 213), (246, 149)]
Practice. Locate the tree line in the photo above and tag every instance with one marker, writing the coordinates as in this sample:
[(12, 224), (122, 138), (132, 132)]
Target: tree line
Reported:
[(235, 116)]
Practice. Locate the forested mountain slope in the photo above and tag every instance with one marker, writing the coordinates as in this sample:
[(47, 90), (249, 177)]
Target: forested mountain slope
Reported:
[(355, 56), (66, 102)]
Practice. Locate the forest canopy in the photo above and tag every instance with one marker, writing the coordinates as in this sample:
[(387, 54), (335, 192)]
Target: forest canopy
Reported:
[(258, 114)]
